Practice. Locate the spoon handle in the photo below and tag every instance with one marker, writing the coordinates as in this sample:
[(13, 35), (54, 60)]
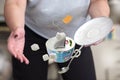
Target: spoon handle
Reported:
[(77, 54)]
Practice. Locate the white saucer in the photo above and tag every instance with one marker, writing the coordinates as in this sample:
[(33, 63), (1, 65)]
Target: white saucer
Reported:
[(93, 30)]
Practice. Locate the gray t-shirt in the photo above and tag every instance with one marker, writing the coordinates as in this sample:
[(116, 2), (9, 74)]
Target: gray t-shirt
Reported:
[(47, 17)]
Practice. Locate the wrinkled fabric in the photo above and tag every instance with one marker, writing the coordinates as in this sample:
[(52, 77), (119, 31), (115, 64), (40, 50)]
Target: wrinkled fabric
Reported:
[(45, 17)]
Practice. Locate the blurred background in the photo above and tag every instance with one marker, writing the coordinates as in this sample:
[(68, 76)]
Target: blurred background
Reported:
[(106, 55)]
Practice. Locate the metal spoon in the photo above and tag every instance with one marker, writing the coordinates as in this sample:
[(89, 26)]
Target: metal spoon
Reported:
[(76, 54)]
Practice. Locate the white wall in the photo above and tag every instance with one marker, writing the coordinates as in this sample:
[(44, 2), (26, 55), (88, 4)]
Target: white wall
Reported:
[(1, 6), (107, 60)]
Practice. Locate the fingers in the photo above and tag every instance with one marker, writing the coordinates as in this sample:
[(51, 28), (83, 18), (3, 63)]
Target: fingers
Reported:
[(11, 49), (87, 45), (21, 57), (98, 42), (25, 59), (17, 54), (113, 28)]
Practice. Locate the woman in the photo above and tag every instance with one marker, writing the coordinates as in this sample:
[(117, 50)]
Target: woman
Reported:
[(39, 16)]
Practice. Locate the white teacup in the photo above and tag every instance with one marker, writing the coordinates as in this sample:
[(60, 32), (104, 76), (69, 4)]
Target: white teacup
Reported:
[(60, 55)]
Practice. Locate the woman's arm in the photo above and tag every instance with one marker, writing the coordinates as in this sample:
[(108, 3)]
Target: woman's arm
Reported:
[(15, 18), (14, 12), (99, 8)]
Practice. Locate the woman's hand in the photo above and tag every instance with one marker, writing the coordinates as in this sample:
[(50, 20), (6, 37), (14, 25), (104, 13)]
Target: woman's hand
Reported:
[(99, 41), (16, 42), (96, 43)]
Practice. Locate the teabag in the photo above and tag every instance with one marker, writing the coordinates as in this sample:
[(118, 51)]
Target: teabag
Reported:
[(60, 40), (59, 48)]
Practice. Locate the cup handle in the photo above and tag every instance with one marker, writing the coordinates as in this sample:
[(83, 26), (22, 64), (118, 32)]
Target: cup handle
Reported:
[(76, 53)]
